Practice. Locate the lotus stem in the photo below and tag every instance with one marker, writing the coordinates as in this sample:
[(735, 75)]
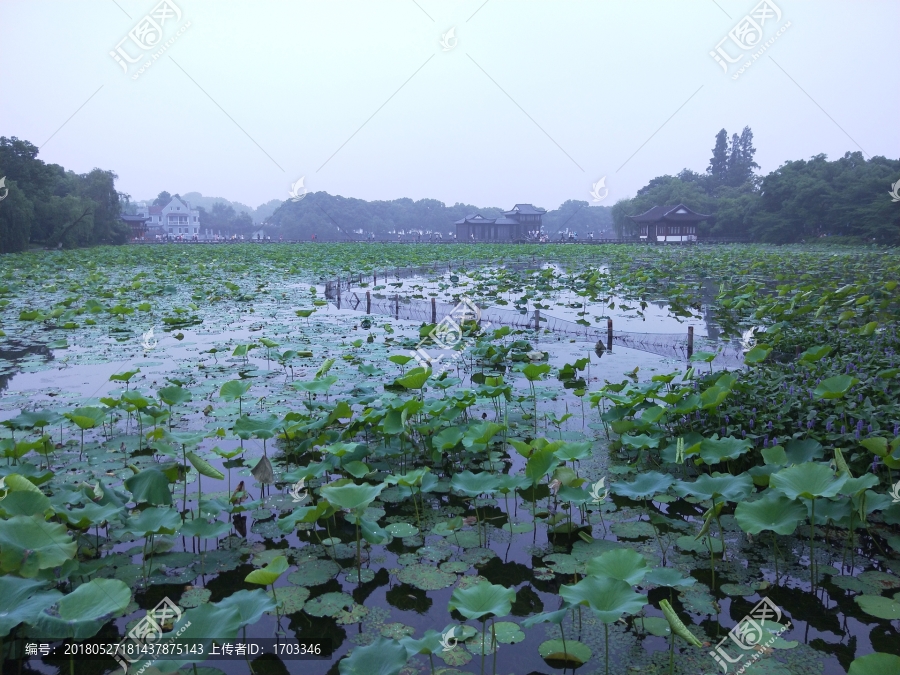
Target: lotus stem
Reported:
[(606, 647)]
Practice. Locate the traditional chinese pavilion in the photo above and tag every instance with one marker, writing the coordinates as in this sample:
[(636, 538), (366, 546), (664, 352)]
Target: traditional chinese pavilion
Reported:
[(669, 224), (513, 225), (138, 225)]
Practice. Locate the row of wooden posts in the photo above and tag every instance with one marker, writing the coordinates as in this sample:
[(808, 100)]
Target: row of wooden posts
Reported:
[(537, 319)]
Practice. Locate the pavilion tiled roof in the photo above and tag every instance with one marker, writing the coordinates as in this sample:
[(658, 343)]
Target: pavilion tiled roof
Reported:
[(673, 214)]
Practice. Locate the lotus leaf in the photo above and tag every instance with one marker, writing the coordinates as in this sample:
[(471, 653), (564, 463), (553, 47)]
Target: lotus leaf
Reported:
[(570, 652), (624, 564), (808, 480), (29, 544), (382, 657), (609, 598), (772, 512), (644, 486), (482, 599)]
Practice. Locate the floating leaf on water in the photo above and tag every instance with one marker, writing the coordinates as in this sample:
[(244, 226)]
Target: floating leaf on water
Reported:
[(402, 530), (314, 572), (426, 577), (634, 529), (194, 597), (880, 580), (737, 589), (455, 566), (395, 631), (362, 577), (292, 598), (655, 625), (875, 664), (689, 543), (562, 563), (330, 604), (571, 653), (879, 606)]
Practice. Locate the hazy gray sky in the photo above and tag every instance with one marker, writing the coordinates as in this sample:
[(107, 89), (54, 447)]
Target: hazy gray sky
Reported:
[(535, 101)]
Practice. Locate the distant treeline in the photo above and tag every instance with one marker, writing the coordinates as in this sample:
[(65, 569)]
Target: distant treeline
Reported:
[(47, 205), (802, 200), (335, 217)]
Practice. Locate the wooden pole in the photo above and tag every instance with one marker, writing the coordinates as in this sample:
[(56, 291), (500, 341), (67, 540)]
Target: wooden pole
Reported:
[(609, 334), (396, 306), (374, 278), (433, 311), (690, 341), (368, 302), (537, 319)]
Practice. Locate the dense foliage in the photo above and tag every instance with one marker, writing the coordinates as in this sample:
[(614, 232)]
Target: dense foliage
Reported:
[(518, 510), (51, 206), (800, 201)]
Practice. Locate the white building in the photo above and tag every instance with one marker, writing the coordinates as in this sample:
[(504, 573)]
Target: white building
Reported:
[(175, 219)]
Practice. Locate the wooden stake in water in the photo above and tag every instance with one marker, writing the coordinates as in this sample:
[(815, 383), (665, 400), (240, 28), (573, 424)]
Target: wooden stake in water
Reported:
[(609, 335), (690, 341)]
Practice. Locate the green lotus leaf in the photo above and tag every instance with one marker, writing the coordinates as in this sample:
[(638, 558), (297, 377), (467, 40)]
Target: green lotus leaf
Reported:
[(571, 652), (314, 572), (878, 663), (624, 564), (24, 502), (718, 485), (758, 354), (357, 469), (203, 467), (808, 480), (668, 576), (715, 450), (382, 657), (474, 484), (402, 530), (29, 544), (426, 577), (259, 427), (641, 442), (834, 387), (799, 451), (879, 606), (773, 512), (644, 486), (541, 462), (569, 452), (545, 617), (815, 354), (84, 611), (352, 497), (154, 521), (23, 600), (234, 389), (249, 605), (200, 527), (91, 514), (609, 598), (201, 625), (414, 379), (174, 395), (482, 599), (86, 418), (270, 573)]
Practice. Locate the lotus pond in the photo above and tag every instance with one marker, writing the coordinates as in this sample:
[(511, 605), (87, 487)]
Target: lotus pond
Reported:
[(199, 425)]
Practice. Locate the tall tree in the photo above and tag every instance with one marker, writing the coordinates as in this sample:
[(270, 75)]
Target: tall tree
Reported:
[(740, 160), (718, 163)]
